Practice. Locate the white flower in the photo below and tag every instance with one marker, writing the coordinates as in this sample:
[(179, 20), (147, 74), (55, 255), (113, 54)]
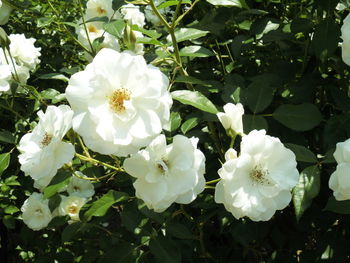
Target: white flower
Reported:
[(36, 213), (120, 103), (99, 8), (71, 205), (167, 173), (80, 187), (42, 150), (132, 14), (345, 30), (5, 11), (95, 30), (5, 77), (339, 181), (232, 117), (260, 180), (23, 51)]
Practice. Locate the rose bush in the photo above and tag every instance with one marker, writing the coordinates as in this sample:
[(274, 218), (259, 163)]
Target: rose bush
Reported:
[(174, 131)]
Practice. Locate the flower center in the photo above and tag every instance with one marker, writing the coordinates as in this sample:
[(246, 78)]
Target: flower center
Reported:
[(116, 100), (76, 188), (46, 140), (92, 29), (258, 175), (38, 212), (163, 166), (72, 209), (101, 11)]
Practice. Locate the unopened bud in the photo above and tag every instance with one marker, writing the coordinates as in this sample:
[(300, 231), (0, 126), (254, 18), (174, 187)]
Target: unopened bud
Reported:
[(4, 39), (129, 37)]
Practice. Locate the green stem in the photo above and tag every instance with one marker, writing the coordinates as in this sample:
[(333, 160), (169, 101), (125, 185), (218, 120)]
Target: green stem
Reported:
[(92, 160), (93, 51), (213, 181), (209, 187)]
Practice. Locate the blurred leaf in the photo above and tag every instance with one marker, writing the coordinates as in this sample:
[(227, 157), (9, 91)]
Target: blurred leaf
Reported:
[(307, 188), (4, 161), (253, 122), (184, 34), (189, 124), (101, 206), (302, 117), (115, 28), (196, 51), (60, 180), (179, 231), (164, 250), (11, 209), (122, 253), (7, 137), (70, 231), (9, 221), (340, 207), (195, 99), (191, 80), (302, 153), (151, 33)]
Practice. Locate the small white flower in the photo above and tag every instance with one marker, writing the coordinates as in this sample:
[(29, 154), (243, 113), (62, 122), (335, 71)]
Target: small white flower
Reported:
[(71, 205), (167, 173), (42, 150), (99, 8), (260, 180), (5, 11), (5, 77), (345, 30), (23, 51), (232, 117), (339, 181), (36, 213), (132, 14), (80, 187), (120, 103)]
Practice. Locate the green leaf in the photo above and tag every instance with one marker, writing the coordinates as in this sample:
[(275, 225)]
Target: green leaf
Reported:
[(189, 124), (151, 33), (70, 231), (164, 250), (101, 206), (302, 153), (9, 221), (7, 137), (253, 122), (184, 34), (236, 3), (115, 28), (195, 99), (179, 231), (54, 76), (340, 207), (172, 3), (175, 121), (57, 183), (4, 161), (307, 188), (191, 80), (11, 209), (196, 51), (302, 117)]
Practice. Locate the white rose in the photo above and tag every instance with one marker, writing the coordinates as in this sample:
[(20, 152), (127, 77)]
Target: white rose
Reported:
[(36, 213), (71, 205), (5, 11), (42, 150), (99, 8), (167, 173), (23, 51), (339, 181), (232, 117), (260, 180), (120, 103), (80, 187), (345, 30)]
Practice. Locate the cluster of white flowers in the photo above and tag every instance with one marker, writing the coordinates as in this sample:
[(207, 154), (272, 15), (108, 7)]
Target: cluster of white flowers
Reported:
[(94, 29), (35, 210), (22, 58), (42, 151), (260, 180), (339, 180), (345, 30), (167, 173)]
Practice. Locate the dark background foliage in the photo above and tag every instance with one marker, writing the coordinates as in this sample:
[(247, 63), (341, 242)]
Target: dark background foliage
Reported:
[(281, 59)]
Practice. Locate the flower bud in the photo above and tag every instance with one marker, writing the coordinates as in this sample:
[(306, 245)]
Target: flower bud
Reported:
[(129, 37), (4, 39)]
